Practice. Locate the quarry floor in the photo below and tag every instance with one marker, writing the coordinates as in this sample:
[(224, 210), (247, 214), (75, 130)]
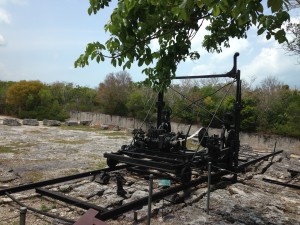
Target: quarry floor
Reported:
[(34, 153)]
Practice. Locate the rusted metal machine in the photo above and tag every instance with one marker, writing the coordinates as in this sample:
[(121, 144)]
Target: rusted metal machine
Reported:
[(161, 149)]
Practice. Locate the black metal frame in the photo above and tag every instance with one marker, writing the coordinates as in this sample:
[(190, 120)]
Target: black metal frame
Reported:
[(26, 187), (181, 161)]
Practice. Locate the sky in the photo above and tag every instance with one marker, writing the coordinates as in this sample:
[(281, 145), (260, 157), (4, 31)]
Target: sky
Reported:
[(41, 39)]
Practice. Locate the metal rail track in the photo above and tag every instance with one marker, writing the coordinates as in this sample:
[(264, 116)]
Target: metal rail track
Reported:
[(26, 187), (105, 214)]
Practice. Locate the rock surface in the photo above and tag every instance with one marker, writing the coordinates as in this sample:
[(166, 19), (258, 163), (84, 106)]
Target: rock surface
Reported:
[(38, 153), (30, 122), (51, 122), (11, 122), (71, 123), (85, 122)]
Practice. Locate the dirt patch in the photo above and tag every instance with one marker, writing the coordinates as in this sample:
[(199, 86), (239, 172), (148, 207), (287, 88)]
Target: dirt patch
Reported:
[(54, 151)]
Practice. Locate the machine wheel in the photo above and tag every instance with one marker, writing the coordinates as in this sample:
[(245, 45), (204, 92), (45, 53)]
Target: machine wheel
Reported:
[(186, 174), (111, 163)]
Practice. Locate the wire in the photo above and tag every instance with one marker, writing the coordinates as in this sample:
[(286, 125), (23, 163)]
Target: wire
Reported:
[(200, 99), (222, 100), (144, 121)]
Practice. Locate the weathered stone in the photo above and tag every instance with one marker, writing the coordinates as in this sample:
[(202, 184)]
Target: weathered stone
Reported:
[(31, 122), (136, 195), (87, 189), (85, 122), (51, 122), (116, 128), (11, 122), (104, 127), (71, 123)]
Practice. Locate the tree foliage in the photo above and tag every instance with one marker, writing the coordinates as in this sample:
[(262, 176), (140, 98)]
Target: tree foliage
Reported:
[(113, 93), (33, 99), (270, 107), (293, 29), (4, 107), (24, 95), (141, 103), (294, 45), (133, 25)]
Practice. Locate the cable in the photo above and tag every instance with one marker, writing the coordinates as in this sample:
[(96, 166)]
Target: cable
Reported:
[(160, 88), (222, 100), (200, 99)]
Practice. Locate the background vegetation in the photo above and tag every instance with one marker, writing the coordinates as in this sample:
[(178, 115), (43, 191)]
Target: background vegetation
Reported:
[(270, 107)]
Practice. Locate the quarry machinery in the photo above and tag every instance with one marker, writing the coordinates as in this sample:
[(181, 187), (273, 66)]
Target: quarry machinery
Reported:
[(166, 151)]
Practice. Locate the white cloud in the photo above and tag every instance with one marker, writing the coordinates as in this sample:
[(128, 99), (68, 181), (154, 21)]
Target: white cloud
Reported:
[(272, 62), (197, 41), (19, 2), (15, 2), (204, 69), (222, 62), (4, 16), (154, 45), (236, 45), (266, 63), (2, 40), (4, 72)]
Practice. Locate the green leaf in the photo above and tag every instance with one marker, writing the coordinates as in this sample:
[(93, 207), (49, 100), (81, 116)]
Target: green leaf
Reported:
[(260, 8), (114, 62), (223, 6), (261, 30), (120, 61), (93, 55), (254, 18), (98, 58), (90, 10), (280, 36), (127, 65), (216, 11), (141, 62), (275, 5)]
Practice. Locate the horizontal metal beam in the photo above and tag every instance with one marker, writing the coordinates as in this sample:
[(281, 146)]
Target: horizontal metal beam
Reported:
[(205, 76), (70, 200), (281, 183), (244, 165), (156, 196), (153, 157), (146, 173), (163, 166), (181, 154), (57, 180)]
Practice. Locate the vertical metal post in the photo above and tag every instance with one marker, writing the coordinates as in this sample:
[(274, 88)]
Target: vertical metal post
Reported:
[(135, 216), (238, 107), (23, 211), (208, 188), (150, 198), (160, 105)]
